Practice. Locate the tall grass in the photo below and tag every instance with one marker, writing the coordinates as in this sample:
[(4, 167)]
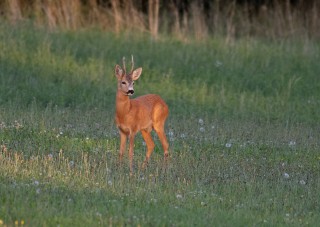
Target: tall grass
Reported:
[(243, 131), (186, 20)]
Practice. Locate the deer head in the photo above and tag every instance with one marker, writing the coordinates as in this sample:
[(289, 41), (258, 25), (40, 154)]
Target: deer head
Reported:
[(126, 80)]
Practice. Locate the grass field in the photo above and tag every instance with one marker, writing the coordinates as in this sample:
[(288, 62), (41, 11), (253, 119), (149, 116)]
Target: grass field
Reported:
[(243, 131)]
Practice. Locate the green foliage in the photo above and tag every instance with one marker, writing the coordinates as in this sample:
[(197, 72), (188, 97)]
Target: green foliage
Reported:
[(243, 132), (247, 79)]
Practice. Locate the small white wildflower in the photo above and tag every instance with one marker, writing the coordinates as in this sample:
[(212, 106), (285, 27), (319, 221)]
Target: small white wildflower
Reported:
[(87, 138), (202, 129), (292, 143), (286, 175), (38, 191), (143, 143), (61, 133), (182, 136), (3, 125), (213, 127), (200, 121), (228, 145), (71, 163), (110, 182), (36, 182), (171, 133), (287, 215), (302, 182), (179, 196), (17, 125), (218, 63), (50, 156), (203, 204)]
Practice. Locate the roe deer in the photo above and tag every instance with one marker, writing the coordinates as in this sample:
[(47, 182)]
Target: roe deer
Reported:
[(140, 114)]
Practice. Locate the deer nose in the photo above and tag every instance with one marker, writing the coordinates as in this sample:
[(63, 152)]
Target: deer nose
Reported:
[(131, 92)]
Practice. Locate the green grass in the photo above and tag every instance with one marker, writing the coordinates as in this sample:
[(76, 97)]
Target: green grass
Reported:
[(243, 130)]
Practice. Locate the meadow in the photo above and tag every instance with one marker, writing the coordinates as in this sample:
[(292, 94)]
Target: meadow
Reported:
[(243, 131)]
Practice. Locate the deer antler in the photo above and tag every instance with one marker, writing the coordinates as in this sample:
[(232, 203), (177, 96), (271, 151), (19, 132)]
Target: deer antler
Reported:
[(132, 63), (124, 65)]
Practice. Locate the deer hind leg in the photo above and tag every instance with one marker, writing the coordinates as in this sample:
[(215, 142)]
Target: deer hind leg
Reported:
[(150, 145), (159, 128)]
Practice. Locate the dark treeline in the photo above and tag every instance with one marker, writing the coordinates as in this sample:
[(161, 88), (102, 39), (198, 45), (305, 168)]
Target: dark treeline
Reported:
[(183, 19), (254, 6)]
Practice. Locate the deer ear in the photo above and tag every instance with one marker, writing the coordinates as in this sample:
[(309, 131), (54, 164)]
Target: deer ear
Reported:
[(136, 73), (118, 72)]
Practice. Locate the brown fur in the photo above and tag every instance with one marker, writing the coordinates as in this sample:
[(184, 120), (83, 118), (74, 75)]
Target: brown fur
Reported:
[(140, 114)]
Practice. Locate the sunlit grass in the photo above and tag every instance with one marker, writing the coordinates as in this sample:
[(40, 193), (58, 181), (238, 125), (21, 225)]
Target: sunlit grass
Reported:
[(232, 173)]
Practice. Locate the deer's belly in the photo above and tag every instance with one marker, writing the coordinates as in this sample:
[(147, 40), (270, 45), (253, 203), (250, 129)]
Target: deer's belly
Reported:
[(135, 127)]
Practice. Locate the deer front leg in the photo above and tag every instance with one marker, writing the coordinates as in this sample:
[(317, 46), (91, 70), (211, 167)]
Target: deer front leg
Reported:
[(123, 140), (131, 146)]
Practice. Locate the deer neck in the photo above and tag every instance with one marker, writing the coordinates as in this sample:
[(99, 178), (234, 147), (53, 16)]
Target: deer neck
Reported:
[(123, 104)]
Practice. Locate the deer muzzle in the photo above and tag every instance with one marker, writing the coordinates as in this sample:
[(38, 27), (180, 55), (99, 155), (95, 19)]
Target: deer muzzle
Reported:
[(130, 92)]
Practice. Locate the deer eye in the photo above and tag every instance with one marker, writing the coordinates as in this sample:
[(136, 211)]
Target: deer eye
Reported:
[(123, 82), (132, 83)]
